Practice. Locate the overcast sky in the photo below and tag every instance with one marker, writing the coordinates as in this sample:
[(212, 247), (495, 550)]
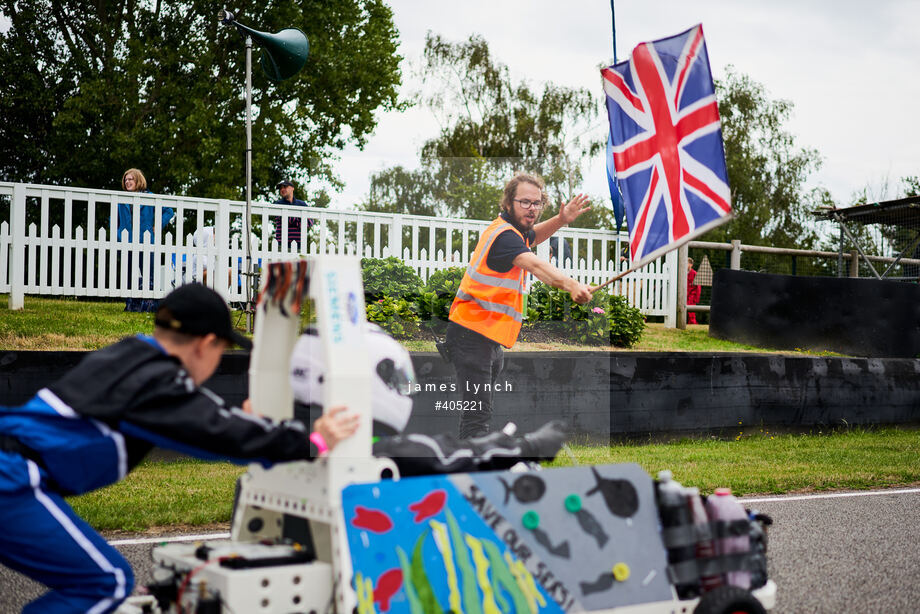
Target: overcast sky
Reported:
[(851, 69)]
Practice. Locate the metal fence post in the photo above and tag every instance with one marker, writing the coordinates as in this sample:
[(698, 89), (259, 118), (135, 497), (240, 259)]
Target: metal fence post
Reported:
[(736, 255), (18, 247)]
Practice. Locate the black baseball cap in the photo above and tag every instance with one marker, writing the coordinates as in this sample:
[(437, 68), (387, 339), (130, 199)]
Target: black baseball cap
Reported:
[(285, 182), (195, 309)]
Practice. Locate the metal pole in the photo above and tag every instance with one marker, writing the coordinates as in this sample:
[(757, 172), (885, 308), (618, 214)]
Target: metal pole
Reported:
[(247, 222), (613, 26), (858, 248), (909, 249)]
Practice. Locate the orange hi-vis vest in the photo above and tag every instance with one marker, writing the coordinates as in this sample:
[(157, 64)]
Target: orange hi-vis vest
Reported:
[(488, 302)]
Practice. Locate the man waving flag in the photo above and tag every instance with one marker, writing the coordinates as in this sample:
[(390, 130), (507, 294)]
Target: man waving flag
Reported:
[(667, 144)]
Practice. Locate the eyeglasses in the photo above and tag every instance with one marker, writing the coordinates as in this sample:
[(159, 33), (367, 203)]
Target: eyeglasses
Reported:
[(530, 204)]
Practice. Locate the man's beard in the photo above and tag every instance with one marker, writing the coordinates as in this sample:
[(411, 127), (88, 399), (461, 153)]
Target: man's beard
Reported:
[(523, 223)]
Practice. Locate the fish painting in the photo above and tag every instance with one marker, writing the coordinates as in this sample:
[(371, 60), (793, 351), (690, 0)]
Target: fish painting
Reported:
[(387, 585), (592, 527), (561, 550), (526, 489), (372, 520), (620, 495), (602, 583), (430, 505)]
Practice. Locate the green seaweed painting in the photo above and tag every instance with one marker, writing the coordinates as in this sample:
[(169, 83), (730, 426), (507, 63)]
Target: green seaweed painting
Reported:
[(456, 564), (472, 567)]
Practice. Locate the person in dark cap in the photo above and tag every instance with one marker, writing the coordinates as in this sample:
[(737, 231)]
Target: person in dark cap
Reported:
[(94, 425), (286, 190)]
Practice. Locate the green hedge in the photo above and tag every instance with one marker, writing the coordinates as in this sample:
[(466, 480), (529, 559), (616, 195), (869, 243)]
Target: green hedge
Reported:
[(389, 277), (399, 302), (604, 319), (438, 295), (391, 291)]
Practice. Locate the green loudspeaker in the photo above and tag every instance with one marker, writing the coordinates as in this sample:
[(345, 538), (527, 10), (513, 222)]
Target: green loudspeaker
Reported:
[(283, 53)]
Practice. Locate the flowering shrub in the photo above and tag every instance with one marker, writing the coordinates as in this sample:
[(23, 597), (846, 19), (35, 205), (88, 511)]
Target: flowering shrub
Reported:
[(626, 323), (604, 319)]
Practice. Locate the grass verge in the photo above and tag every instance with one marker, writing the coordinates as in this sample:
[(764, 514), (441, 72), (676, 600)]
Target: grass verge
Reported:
[(163, 494), (192, 493), (79, 324), (52, 324)]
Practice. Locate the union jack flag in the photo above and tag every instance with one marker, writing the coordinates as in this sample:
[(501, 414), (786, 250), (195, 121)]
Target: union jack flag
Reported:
[(667, 144)]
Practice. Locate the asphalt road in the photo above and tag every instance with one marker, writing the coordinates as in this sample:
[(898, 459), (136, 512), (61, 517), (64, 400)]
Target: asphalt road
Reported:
[(843, 552)]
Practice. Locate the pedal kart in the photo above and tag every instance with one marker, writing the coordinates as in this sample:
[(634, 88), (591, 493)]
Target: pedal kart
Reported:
[(346, 534)]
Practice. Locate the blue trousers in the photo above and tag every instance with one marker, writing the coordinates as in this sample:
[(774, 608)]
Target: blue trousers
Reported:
[(42, 537)]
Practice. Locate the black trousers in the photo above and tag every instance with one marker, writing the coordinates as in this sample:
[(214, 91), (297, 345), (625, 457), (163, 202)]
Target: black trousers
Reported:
[(478, 362)]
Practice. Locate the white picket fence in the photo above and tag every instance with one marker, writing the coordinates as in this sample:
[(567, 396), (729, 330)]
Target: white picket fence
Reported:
[(62, 241)]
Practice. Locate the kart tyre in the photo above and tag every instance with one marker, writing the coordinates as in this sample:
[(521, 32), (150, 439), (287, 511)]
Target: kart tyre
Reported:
[(729, 600)]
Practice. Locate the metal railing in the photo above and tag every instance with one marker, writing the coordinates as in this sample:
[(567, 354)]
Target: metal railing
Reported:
[(797, 262)]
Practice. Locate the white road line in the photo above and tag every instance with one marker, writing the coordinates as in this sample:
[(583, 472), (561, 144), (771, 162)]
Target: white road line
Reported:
[(831, 495), (173, 538), (744, 500)]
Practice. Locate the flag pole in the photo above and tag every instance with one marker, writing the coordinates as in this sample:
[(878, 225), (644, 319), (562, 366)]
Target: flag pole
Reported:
[(613, 28), (614, 278)]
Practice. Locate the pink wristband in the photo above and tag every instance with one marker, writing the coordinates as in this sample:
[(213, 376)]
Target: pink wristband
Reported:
[(319, 442)]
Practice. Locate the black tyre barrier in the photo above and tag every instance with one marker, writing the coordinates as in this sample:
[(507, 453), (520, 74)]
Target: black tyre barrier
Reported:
[(855, 316), (603, 394)]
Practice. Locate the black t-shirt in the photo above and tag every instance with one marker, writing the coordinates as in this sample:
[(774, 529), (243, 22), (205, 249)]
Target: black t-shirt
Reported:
[(506, 247)]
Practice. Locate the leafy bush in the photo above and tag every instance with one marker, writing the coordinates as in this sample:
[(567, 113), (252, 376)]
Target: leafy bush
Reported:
[(445, 280), (389, 277), (626, 322), (589, 321), (603, 319), (438, 294), (398, 301), (545, 303), (397, 316)]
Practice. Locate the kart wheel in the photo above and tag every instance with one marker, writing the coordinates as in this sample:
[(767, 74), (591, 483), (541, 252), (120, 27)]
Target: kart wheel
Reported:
[(729, 600)]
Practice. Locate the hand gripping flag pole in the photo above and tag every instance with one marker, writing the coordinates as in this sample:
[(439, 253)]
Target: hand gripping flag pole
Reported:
[(666, 145)]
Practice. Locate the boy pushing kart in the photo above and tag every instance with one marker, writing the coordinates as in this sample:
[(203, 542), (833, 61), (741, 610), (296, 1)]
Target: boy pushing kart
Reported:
[(94, 425)]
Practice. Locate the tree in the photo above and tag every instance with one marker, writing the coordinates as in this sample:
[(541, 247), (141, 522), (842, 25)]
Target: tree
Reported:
[(490, 128), (766, 170), (400, 190), (87, 92)]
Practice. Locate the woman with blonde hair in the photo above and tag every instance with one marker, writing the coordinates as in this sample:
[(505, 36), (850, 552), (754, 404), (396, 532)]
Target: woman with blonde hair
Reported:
[(133, 180)]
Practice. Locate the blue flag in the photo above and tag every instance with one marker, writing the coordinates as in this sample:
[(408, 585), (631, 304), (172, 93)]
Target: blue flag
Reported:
[(615, 197)]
